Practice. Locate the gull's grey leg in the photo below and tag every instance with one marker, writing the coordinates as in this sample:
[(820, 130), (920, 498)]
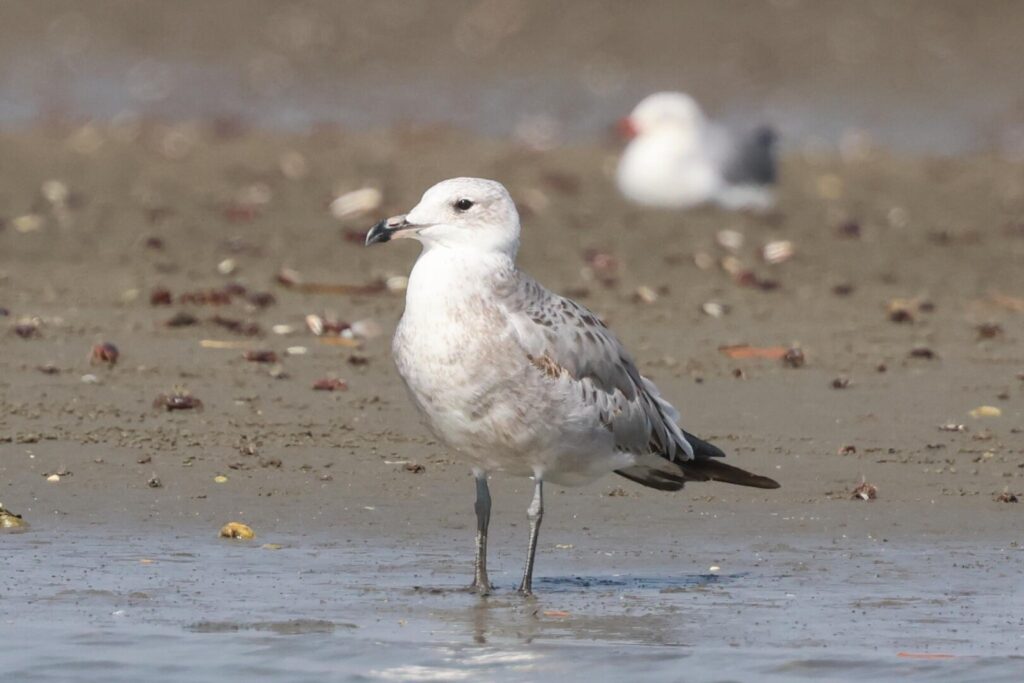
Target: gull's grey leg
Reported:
[(534, 513), (483, 518)]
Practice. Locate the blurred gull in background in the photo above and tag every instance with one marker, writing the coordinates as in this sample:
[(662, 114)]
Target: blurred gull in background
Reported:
[(679, 159)]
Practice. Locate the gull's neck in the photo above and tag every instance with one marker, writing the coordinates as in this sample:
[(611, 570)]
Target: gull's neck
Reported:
[(452, 274)]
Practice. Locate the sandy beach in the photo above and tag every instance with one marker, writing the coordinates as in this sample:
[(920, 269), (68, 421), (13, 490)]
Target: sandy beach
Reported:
[(884, 395), (165, 268)]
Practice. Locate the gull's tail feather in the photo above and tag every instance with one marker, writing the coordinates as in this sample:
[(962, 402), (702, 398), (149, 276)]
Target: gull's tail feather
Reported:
[(753, 161), (714, 470), (659, 472)]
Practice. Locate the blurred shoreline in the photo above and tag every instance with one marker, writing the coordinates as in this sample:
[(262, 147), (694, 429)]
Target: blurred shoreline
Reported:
[(912, 77)]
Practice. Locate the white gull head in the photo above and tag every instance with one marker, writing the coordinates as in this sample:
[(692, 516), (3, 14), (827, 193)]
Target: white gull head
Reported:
[(661, 111), (460, 213)]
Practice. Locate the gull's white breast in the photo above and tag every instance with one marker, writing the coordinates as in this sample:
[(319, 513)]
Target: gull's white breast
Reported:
[(472, 381), (668, 169)]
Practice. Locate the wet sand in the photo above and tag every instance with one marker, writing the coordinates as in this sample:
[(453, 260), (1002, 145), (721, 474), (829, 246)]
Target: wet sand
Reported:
[(368, 507)]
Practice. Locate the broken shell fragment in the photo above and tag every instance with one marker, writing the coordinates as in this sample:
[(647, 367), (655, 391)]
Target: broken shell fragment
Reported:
[(865, 491), (730, 239), (27, 328), (315, 324), (397, 284), (104, 352), (330, 384), (794, 357), (989, 330), (10, 520), (985, 411), (179, 399), (160, 297), (242, 532), (356, 202), (713, 309), (645, 295), (55, 192), (30, 222), (747, 351), (732, 265), (778, 251), (902, 310), (922, 352), (602, 266), (289, 277)]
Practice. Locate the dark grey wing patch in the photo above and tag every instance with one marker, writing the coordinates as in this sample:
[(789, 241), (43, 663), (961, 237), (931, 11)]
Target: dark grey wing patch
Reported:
[(753, 159)]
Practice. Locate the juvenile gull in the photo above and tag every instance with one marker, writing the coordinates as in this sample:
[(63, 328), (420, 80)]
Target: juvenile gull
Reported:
[(679, 159), (518, 379)]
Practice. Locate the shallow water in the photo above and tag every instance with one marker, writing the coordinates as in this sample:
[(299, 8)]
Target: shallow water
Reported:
[(86, 605)]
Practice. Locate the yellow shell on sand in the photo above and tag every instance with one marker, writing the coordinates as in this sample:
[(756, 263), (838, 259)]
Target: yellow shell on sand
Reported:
[(237, 530)]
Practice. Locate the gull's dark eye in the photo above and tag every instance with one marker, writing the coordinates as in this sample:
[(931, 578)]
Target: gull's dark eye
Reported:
[(463, 205)]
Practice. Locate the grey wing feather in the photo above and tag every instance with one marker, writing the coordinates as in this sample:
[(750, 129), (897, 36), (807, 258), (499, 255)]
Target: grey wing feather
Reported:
[(567, 340)]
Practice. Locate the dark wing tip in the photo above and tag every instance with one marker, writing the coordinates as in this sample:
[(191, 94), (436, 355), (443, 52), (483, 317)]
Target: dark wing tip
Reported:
[(701, 448), (719, 471)]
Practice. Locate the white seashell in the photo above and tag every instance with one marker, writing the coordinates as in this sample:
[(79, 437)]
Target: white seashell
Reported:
[(777, 252), (397, 283), (356, 202), (730, 239), (315, 324)]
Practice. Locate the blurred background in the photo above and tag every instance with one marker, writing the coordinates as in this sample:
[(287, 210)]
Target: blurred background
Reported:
[(933, 76)]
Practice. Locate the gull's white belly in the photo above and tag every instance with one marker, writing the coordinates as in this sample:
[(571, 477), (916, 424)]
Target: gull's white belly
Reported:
[(482, 397)]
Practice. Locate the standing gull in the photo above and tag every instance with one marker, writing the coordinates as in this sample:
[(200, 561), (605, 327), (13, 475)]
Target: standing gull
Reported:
[(678, 159), (518, 379)]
